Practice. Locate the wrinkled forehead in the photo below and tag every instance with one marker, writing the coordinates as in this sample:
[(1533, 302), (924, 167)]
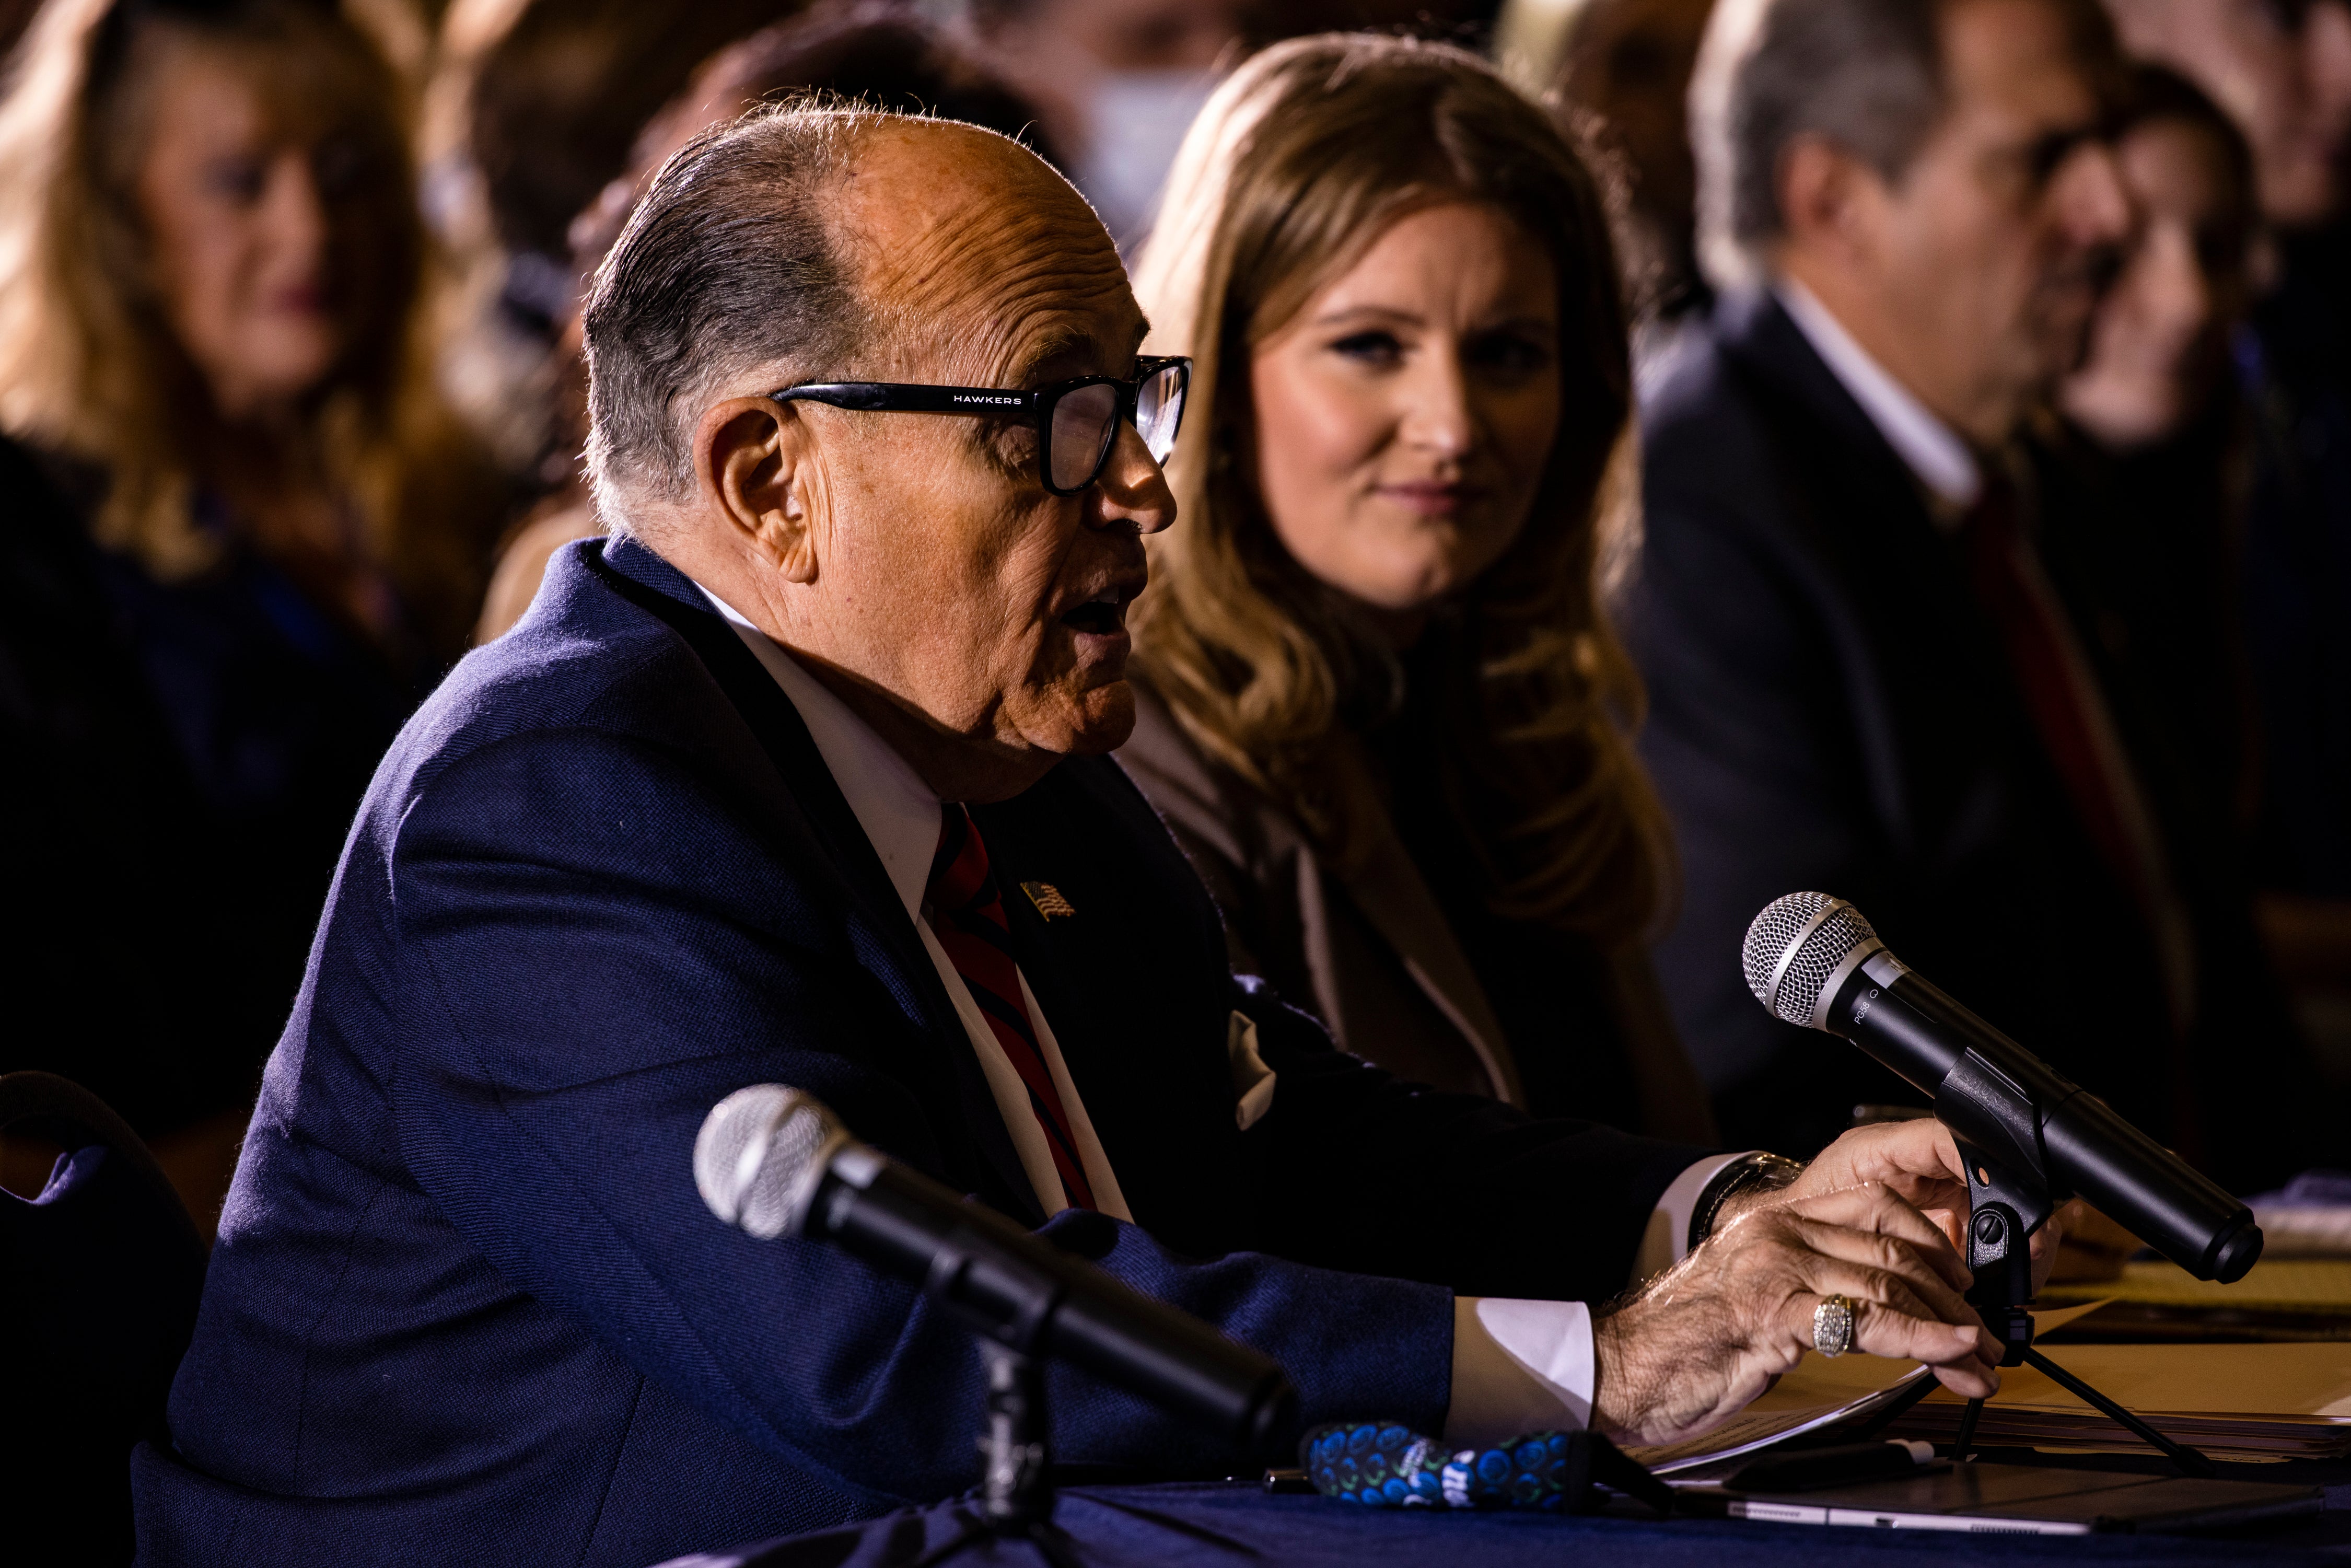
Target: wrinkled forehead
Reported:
[(980, 264)]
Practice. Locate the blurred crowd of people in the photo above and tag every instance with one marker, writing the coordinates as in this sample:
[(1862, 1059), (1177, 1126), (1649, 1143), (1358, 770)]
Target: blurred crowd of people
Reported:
[(1899, 449)]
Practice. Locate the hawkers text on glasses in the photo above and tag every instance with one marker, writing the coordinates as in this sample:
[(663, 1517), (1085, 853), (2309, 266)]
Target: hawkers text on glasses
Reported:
[(1077, 421)]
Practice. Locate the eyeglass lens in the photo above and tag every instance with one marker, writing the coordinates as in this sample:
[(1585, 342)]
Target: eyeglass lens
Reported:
[(1158, 405), (1084, 425)]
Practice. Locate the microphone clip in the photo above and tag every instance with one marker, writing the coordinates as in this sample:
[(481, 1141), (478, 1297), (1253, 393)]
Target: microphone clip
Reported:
[(1996, 1124), (2004, 1209)]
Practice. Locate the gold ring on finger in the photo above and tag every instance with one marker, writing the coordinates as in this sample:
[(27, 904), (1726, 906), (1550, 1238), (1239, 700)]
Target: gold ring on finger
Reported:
[(1833, 1324)]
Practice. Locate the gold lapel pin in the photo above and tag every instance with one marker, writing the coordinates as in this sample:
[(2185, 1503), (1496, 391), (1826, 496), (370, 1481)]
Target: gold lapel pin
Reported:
[(1047, 898)]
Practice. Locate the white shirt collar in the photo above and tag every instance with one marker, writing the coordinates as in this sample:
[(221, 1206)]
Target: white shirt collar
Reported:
[(1940, 459), (896, 808)]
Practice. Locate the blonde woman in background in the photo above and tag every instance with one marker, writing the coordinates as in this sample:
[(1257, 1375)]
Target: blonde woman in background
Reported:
[(209, 268), (1381, 705), (210, 240)]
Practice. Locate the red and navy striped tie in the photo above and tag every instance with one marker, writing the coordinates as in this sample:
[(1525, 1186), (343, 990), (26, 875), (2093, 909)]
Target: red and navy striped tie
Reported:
[(968, 917)]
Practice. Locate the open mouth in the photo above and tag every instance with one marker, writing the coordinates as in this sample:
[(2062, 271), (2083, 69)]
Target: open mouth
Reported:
[(1104, 615)]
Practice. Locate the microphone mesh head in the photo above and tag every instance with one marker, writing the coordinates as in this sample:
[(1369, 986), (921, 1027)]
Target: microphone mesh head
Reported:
[(1823, 932), (756, 1155), (1769, 935)]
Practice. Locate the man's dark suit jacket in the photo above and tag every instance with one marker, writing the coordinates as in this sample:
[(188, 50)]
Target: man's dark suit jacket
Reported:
[(467, 1305), (1829, 710)]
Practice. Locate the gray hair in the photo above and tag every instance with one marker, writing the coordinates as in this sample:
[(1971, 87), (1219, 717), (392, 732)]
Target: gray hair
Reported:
[(1865, 75), (727, 266)]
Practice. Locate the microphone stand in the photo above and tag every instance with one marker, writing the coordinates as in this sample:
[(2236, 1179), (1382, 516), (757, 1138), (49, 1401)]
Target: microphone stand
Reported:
[(1016, 1498), (2004, 1211)]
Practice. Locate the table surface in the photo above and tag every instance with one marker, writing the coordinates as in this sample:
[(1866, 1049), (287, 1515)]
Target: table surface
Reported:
[(1230, 1524)]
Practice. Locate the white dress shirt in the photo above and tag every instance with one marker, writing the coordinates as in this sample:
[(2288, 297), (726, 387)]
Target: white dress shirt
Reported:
[(901, 816), (1926, 446), (1518, 1365)]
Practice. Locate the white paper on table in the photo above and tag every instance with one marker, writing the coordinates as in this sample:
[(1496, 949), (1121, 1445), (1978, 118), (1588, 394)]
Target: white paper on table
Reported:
[(1770, 1421), (1820, 1392)]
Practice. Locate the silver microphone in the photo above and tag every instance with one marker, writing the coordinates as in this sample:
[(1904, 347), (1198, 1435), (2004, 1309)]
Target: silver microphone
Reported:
[(774, 1160), (761, 1154), (1801, 950), (1814, 961)]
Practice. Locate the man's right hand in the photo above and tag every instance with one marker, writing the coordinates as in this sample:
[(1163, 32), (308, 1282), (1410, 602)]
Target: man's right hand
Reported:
[(1711, 1334)]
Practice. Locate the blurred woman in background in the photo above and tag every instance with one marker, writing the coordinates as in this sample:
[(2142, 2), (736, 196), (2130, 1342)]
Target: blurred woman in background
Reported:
[(2147, 467), (2143, 461), (210, 261), (2142, 467), (1380, 704), (2158, 356)]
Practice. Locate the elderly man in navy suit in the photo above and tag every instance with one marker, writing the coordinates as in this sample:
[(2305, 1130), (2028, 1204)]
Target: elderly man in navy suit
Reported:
[(804, 777)]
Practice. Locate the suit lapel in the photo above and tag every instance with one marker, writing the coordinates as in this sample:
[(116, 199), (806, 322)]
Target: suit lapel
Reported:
[(1146, 1054), (1392, 895), (660, 589)]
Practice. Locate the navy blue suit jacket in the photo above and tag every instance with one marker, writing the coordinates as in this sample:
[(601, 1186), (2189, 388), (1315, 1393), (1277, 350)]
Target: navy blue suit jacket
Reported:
[(467, 1305)]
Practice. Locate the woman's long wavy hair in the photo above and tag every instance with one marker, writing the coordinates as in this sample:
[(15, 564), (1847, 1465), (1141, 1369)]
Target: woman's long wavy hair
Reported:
[(1299, 163), (88, 365)]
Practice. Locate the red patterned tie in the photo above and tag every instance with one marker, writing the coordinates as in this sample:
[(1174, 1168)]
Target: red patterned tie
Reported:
[(2067, 711), (2046, 672), (968, 917)]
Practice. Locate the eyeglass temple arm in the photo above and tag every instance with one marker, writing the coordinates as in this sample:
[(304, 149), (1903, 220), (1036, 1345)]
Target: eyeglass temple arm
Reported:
[(897, 397)]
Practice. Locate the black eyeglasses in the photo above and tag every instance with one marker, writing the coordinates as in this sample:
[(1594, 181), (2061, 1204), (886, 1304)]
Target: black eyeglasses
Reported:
[(1077, 420)]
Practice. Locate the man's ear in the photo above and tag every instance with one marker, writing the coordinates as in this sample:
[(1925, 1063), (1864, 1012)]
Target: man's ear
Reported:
[(1828, 200), (754, 466)]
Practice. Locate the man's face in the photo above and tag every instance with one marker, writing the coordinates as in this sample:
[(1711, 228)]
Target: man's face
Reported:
[(984, 606), (1989, 253)]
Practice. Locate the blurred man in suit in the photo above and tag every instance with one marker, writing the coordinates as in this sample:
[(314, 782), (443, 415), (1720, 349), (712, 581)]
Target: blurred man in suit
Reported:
[(803, 778), (1860, 679)]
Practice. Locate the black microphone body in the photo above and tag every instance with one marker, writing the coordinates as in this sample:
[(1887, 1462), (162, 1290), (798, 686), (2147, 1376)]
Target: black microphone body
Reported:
[(771, 1172), (1818, 963)]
